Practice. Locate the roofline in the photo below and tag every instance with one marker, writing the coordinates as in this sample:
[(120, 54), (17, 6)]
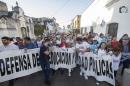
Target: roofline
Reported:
[(3, 3)]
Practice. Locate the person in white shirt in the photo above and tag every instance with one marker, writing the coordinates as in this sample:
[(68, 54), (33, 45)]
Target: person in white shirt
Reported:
[(116, 57), (86, 44), (102, 50), (58, 42), (7, 45), (81, 48)]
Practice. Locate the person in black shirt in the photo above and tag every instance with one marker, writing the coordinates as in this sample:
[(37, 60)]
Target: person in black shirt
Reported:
[(44, 60)]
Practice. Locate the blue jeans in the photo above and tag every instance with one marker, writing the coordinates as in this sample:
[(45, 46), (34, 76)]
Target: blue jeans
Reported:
[(45, 65), (125, 61), (126, 64)]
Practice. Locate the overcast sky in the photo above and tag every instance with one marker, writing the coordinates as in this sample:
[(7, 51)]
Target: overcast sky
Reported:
[(63, 10)]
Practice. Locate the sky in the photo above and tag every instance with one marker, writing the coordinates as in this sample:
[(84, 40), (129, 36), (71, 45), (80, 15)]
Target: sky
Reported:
[(63, 10)]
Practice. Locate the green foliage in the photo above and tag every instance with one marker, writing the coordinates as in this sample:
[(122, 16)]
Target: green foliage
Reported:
[(38, 29)]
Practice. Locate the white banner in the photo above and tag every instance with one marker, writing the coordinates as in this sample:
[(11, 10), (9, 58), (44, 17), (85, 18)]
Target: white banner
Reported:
[(63, 58), (98, 67), (14, 64)]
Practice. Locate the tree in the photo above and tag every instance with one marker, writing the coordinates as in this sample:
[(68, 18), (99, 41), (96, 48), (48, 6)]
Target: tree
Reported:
[(38, 29)]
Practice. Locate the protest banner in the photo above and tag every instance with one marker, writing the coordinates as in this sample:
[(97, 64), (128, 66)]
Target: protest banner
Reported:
[(63, 58), (14, 64), (98, 67)]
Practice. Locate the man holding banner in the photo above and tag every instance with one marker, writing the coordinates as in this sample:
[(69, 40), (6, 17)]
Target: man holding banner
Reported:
[(44, 60), (7, 46), (81, 48)]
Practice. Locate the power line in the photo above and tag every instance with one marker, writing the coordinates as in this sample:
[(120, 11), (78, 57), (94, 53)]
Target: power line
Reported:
[(79, 12), (88, 4), (60, 9)]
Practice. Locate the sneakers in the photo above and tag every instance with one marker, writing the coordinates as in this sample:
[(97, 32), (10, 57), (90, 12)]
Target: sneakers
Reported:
[(81, 73), (86, 77), (97, 83)]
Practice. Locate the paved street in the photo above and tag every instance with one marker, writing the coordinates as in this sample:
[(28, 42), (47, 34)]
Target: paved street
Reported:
[(58, 79)]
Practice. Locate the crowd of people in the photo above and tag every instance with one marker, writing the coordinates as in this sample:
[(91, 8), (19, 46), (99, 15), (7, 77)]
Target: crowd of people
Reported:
[(88, 42)]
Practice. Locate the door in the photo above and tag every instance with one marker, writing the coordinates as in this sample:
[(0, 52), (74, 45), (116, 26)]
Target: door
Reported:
[(112, 29)]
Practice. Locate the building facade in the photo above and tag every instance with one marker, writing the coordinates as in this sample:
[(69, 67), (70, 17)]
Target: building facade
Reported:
[(15, 23), (29, 27), (110, 17), (75, 24), (49, 24)]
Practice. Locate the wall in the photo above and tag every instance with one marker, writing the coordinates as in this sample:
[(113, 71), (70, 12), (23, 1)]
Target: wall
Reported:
[(98, 12), (30, 26), (121, 18), (76, 22), (3, 6)]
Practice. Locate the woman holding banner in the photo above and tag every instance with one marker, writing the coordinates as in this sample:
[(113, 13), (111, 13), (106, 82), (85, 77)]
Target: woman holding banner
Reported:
[(125, 46), (102, 50)]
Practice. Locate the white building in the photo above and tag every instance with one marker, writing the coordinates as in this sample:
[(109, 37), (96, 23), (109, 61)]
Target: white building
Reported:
[(110, 17), (29, 26), (15, 23), (49, 24)]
